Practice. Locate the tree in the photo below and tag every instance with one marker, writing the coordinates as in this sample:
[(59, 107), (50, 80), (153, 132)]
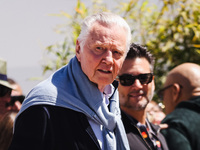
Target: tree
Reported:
[(170, 29), (176, 36)]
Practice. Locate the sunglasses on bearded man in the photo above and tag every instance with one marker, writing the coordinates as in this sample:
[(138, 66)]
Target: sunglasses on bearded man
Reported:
[(128, 79)]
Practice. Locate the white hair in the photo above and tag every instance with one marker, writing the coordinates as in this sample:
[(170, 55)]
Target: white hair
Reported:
[(103, 17)]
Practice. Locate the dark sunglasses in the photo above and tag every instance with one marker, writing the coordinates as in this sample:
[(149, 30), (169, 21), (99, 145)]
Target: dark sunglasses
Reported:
[(4, 91), (128, 79), (161, 91), (19, 98)]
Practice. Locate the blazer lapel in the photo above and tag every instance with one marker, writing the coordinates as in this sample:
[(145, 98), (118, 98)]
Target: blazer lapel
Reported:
[(89, 130)]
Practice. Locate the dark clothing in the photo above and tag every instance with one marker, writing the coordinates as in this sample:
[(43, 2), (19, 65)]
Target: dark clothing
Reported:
[(136, 141), (183, 132), (55, 128)]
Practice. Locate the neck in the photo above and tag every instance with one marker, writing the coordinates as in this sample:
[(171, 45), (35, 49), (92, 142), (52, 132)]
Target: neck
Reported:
[(139, 115), (101, 88)]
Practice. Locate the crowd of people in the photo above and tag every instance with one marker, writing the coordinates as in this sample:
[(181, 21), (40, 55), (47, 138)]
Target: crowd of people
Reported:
[(102, 99)]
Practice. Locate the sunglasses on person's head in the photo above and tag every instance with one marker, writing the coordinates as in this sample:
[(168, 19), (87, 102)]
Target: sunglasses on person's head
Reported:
[(128, 79), (4, 91)]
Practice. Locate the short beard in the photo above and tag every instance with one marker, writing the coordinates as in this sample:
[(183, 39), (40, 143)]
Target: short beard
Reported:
[(141, 105)]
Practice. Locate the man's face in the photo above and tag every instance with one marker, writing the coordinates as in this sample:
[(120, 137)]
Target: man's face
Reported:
[(103, 53), (137, 95)]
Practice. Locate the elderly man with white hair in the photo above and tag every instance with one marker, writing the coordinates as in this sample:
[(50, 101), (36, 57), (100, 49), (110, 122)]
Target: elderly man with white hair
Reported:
[(77, 108)]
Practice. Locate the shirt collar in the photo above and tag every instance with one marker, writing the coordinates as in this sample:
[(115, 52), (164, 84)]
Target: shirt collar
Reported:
[(107, 93), (108, 90)]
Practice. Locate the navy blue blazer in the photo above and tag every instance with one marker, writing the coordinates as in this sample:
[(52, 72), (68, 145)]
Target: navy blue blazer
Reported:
[(46, 127)]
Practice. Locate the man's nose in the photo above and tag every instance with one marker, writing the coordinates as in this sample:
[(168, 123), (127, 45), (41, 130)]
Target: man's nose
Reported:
[(108, 57), (137, 83)]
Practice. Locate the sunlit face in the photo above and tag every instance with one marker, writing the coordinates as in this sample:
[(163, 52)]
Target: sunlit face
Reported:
[(103, 53), (136, 96)]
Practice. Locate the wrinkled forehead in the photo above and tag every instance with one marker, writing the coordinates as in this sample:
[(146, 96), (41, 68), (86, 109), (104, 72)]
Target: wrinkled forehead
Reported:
[(104, 34)]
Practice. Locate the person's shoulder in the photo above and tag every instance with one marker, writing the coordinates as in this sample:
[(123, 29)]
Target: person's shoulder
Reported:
[(43, 114), (49, 110), (177, 122), (179, 115)]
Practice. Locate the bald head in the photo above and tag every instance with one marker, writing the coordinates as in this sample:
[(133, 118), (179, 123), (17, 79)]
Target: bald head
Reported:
[(183, 82), (187, 75)]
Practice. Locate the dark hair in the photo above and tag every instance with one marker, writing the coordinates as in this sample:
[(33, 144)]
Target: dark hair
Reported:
[(140, 51), (6, 129)]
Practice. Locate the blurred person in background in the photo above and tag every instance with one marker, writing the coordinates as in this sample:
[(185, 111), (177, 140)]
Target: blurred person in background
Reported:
[(6, 129), (136, 90), (5, 88), (181, 97), (155, 113), (17, 96)]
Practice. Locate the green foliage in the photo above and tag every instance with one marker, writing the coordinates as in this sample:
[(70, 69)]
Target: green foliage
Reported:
[(169, 28), (176, 37)]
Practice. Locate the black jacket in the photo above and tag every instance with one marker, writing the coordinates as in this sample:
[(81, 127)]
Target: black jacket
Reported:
[(46, 127), (135, 138), (184, 125)]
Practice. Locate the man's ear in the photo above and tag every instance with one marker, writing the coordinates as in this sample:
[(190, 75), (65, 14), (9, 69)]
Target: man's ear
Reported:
[(78, 50), (176, 91)]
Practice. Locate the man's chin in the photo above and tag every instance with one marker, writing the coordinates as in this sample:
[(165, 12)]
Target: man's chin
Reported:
[(140, 104)]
